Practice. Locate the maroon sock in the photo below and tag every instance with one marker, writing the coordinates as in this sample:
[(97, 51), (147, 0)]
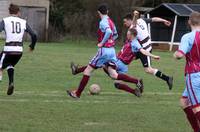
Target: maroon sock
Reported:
[(124, 87), (192, 118), (81, 69), (127, 78), (82, 85)]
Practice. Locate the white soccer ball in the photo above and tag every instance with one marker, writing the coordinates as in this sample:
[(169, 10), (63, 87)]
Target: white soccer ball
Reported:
[(94, 89)]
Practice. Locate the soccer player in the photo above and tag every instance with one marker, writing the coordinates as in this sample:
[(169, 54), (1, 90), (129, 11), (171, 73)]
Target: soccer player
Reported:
[(124, 58), (144, 39), (14, 28), (107, 34), (189, 49)]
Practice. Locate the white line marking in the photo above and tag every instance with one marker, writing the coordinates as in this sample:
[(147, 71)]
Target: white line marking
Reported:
[(60, 93), (89, 101)]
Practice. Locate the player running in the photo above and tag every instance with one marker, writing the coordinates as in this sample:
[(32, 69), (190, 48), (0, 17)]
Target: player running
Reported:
[(144, 39), (190, 49), (14, 28), (106, 53)]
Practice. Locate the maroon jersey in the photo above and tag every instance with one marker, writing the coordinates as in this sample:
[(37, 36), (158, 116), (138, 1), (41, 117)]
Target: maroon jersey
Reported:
[(126, 55), (110, 42), (193, 57)]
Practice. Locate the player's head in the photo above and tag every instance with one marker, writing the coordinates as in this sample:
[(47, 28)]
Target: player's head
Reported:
[(194, 19), (103, 9), (131, 34), (127, 20), (14, 9)]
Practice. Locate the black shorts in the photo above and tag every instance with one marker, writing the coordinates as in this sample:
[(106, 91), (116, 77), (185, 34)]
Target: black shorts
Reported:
[(145, 60), (7, 59)]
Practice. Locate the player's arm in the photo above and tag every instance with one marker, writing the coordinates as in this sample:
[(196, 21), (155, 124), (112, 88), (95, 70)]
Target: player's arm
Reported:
[(136, 47), (106, 28), (33, 37), (158, 19), (184, 47), (147, 53), (2, 25), (115, 34)]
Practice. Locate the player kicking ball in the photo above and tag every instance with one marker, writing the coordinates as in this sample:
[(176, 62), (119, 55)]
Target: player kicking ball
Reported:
[(14, 28), (107, 35), (124, 58), (189, 49), (144, 39)]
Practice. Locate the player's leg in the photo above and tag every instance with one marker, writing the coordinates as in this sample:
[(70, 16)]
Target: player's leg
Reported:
[(86, 76), (121, 86), (187, 108), (2, 57), (11, 60), (146, 61), (96, 62), (76, 70), (119, 76), (10, 71), (193, 88)]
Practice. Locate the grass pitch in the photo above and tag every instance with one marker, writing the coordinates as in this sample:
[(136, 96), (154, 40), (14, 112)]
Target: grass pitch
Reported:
[(40, 103)]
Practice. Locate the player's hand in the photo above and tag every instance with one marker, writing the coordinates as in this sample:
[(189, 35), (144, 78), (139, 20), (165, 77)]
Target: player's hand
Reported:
[(167, 23), (157, 57), (136, 13), (100, 45)]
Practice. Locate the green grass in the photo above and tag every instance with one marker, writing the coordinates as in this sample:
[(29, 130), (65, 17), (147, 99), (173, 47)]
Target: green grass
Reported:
[(40, 103)]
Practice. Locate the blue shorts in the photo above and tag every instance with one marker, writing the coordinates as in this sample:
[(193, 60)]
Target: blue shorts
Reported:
[(103, 56), (192, 90), (121, 67)]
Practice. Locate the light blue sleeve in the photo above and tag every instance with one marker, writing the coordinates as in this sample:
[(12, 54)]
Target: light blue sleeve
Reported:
[(135, 46), (187, 42), (104, 27), (115, 34)]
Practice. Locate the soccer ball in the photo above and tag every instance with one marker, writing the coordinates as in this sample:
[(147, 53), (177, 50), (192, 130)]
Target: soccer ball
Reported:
[(94, 89)]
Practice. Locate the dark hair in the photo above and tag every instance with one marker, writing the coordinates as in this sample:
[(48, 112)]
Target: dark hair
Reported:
[(133, 31), (128, 16), (13, 9), (103, 8)]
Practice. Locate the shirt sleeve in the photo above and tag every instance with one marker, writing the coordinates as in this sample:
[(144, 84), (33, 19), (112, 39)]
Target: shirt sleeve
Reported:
[(186, 43), (33, 36), (147, 20), (104, 27), (115, 34), (2, 25), (135, 46)]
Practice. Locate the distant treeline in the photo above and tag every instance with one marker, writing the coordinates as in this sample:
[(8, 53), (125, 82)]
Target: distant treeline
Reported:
[(77, 18)]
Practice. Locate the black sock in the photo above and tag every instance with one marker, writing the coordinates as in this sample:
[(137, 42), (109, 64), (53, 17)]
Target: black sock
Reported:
[(159, 74), (10, 75)]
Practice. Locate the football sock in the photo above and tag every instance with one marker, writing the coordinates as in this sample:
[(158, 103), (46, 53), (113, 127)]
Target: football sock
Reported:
[(161, 75), (192, 118), (127, 78), (10, 72), (81, 69), (124, 87), (82, 84)]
